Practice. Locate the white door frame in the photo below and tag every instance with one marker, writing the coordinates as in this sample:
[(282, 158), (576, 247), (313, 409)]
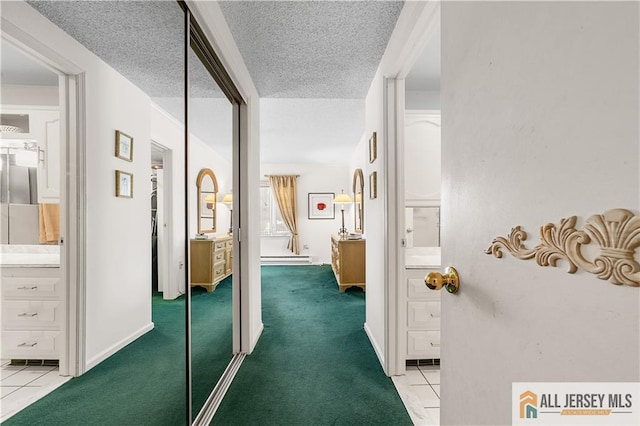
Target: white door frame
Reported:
[(412, 41), (72, 194), (171, 285)]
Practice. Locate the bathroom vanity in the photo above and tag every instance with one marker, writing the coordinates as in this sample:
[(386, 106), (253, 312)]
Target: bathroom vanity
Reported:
[(32, 307), (422, 305)]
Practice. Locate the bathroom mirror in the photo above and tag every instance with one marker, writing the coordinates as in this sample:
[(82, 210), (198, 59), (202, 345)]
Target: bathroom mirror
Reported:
[(358, 201), (207, 199), (423, 226)]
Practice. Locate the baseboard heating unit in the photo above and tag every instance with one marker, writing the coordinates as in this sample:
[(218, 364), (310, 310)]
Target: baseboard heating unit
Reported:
[(285, 260)]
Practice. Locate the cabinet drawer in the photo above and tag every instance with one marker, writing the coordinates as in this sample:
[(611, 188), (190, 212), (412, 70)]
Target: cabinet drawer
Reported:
[(230, 244), (31, 287), (218, 270), (423, 314), (31, 344), (417, 289), (220, 245), (218, 256), (23, 314), (423, 344)]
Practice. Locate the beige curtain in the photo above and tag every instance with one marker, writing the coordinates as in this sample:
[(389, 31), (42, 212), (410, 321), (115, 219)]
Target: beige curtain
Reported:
[(285, 189)]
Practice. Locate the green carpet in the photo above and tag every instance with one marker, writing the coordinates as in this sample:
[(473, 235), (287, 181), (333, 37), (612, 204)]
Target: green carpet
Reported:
[(144, 383), (314, 364)]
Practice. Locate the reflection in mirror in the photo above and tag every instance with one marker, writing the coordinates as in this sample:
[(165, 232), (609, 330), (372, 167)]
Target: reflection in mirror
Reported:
[(358, 201), (423, 226), (211, 259), (207, 199)]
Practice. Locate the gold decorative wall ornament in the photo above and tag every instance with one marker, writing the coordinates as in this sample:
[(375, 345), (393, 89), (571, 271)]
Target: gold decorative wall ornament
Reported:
[(616, 231)]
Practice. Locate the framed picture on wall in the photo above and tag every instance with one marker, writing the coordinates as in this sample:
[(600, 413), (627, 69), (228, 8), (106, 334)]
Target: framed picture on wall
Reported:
[(124, 146), (321, 205), (373, 185), (373, 148), (124, 184)]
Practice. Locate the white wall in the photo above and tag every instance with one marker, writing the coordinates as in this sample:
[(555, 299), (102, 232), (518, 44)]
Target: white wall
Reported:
[(422, 99), (539, 123), (374, 222), (17, 94), (316, 234)]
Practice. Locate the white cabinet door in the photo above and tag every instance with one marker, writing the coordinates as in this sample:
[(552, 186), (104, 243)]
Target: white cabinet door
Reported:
[(48, 137)]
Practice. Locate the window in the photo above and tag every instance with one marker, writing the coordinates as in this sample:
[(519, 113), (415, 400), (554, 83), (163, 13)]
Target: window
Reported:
[(271, 223)]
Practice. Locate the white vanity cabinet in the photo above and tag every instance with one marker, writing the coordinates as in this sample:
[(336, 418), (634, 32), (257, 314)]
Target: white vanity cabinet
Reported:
[(31, 313), (422, 316), (44, 128)]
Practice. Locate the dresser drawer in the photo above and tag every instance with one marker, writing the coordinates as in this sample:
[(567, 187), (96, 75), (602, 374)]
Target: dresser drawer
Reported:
[(25, 314), (218, 256), (230, 244), (423, 344), (220, 245), (31, 344), (423, 314), (31, 287), (218, 270)]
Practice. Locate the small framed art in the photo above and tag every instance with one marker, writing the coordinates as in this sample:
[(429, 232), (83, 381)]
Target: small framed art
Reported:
[(321, 205), (373, 185), (124, 146), (373, 148), (124, 184)]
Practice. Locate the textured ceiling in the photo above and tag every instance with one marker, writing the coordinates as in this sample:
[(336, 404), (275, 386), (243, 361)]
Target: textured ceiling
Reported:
[(142, 40), (312, 49), (322, 55)]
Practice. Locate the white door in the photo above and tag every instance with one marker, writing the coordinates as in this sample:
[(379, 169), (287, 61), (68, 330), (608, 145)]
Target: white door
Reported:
[(539, 123)]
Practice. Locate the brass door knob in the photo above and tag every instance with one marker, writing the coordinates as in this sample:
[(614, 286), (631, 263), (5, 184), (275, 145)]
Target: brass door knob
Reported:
[(450, 280)]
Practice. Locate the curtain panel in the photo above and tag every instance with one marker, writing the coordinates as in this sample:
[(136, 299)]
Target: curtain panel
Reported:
[(285, 190)]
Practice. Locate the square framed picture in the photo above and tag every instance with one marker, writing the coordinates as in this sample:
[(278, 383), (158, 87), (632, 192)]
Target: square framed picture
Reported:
[(373, 147), (124, 184), (321, 205), (124, 146), (373, 185)]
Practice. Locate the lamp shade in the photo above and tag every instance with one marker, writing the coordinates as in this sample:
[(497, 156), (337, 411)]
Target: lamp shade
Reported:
[(228, 199), (209, 200), (342, 198)]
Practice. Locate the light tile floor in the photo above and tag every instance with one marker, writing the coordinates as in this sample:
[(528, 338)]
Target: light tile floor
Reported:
[(23, 385), (419, 390)]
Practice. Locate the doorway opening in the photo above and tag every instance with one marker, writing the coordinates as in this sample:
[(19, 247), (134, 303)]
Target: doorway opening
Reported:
[(418, 156), (33, 264), (161, 225)]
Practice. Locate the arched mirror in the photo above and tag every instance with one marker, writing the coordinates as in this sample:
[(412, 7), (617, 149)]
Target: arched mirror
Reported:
[(358, 201), (207, 199)]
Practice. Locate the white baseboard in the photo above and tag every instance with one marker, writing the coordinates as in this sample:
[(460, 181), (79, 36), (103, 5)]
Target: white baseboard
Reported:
[(375, 345), (117, 346)]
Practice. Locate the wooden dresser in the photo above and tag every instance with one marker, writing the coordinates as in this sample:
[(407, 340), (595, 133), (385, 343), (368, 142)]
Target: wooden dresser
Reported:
[(348, 262), (211, 261)]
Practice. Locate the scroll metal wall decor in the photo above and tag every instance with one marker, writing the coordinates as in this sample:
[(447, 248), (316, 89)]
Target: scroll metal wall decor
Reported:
[(616, 231)]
